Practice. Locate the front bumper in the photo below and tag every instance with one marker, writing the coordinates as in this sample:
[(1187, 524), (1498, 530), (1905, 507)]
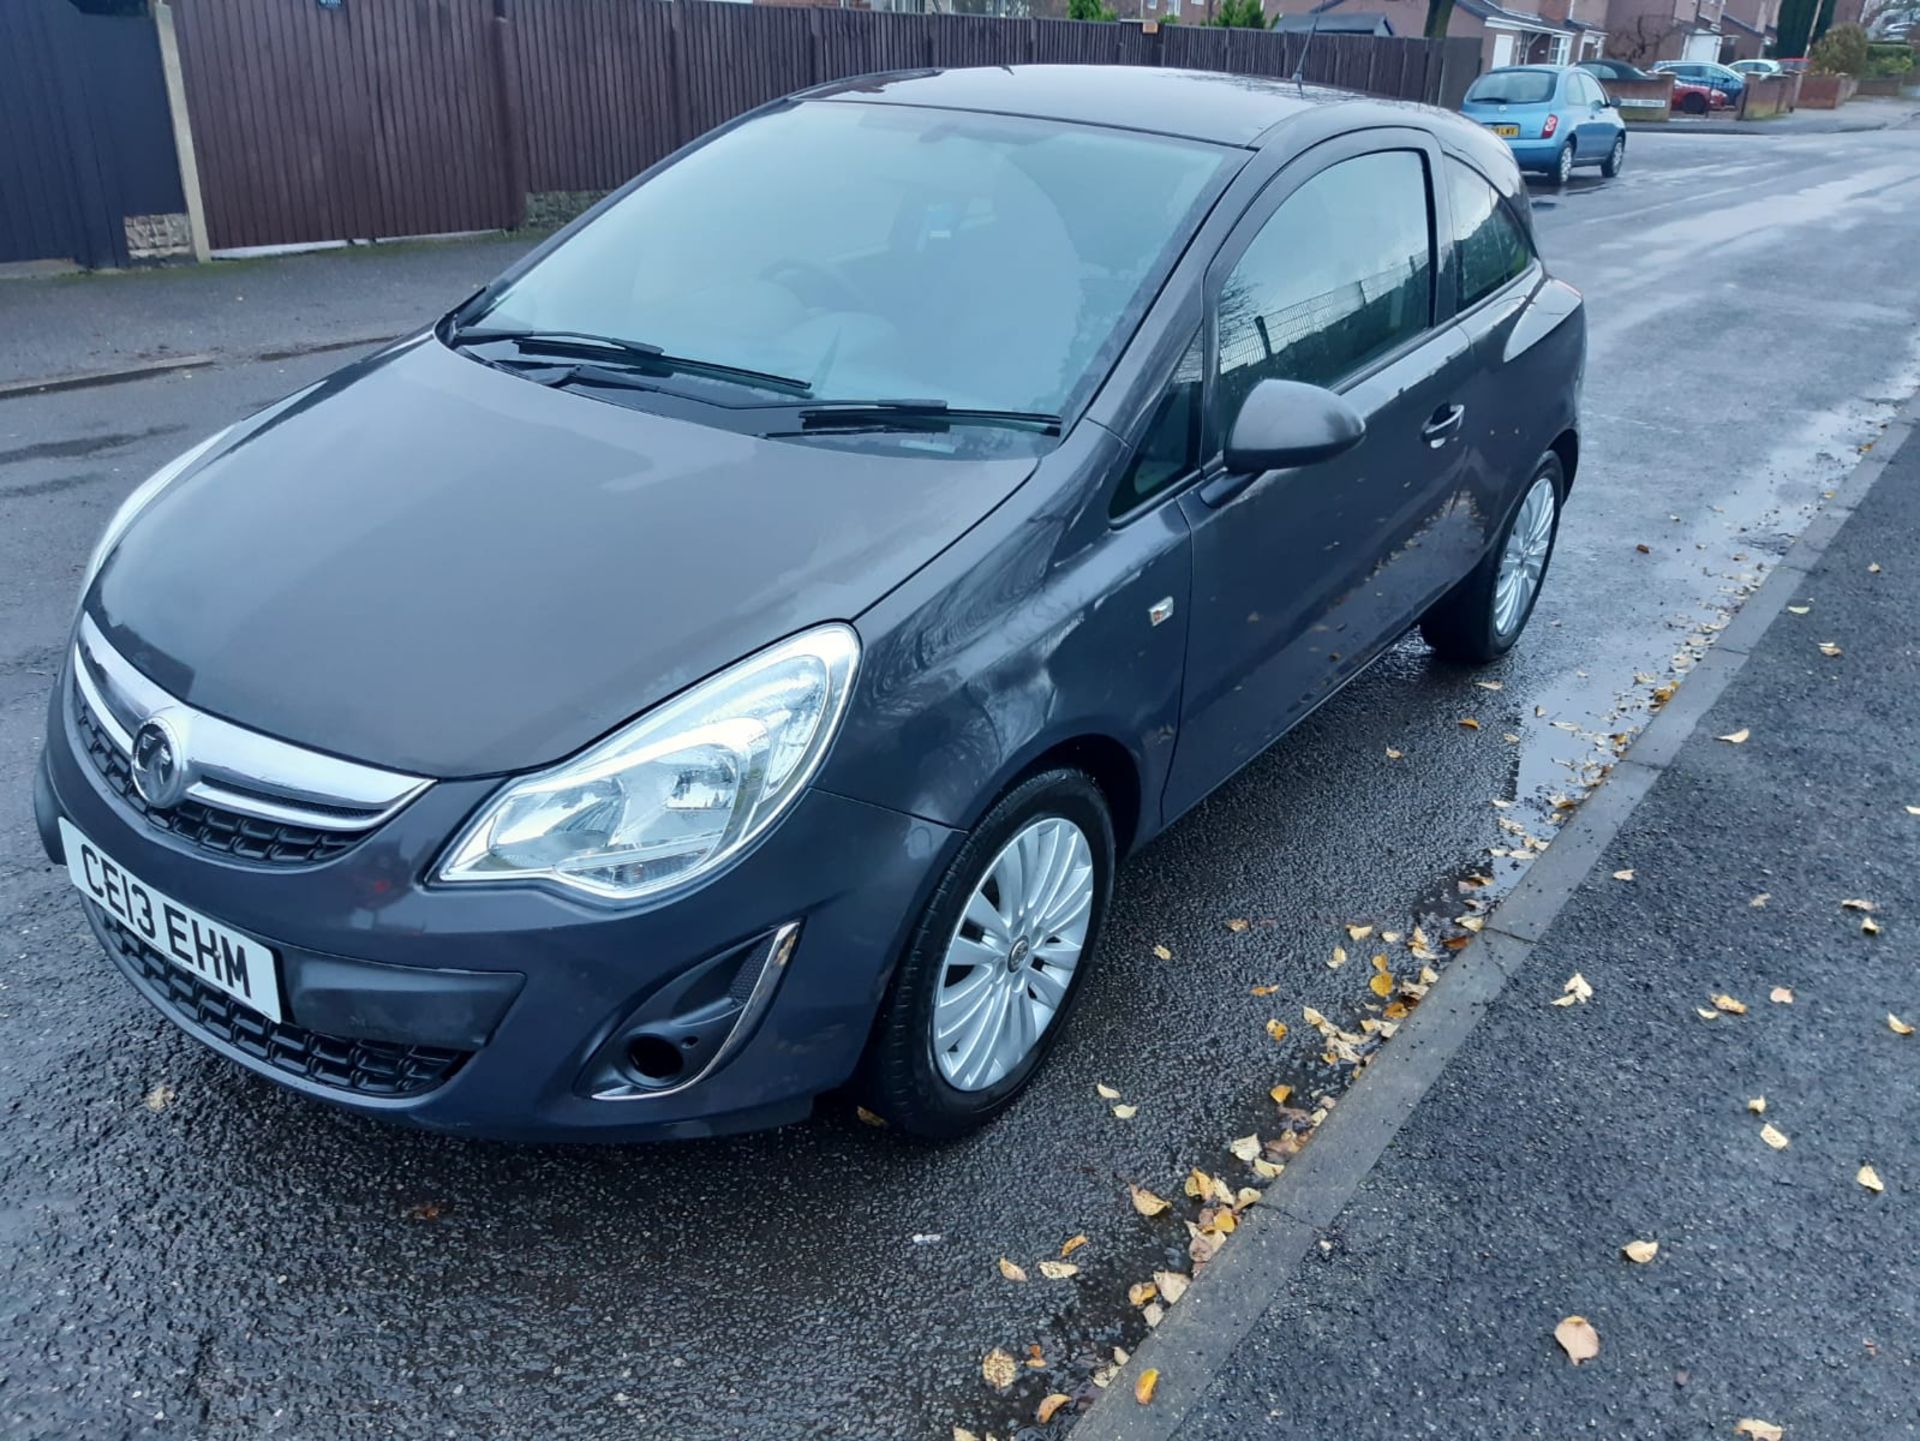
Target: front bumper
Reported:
[(529, 992)]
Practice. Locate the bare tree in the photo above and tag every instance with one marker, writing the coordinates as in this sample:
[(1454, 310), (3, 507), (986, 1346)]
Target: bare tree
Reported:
[(1641, 42)]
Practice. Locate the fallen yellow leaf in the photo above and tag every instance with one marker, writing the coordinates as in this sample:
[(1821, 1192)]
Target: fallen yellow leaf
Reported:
[(1264, 990), (1869, 927), (1141, 1292), (1469, 723), (1472, 923), (1339, 958), (1011, 1271), (1737, 738), (1856, 904), (1394, 755), (1143, 1388), (1236, 925), (1277, 1029), (1577, 990), (1870, 1178), (1829, 648), (1153, 1313), (1578, 1339), (1043, 1413), (1758, 1105), (1145, 1202), (1913, 810), (1359, 933), (1774, 1138), (1379, 962), (1266, 1169), (1058, 1270), (1706, 1015), (868, 1118), (1312, 1017), (1036, 1358), (1640, 1252), (1072, 1244), (1173, 1285), (961, 1433), (1245, 1148), (1163, 953), (1397, 1011), (1729, 1005), (1125, 1113), (1381, 984), (160, 1097), (1758, 1430), (998, 1369), (1898, 1026), (1761, 899), (1281, 1093), (1625, 875), (1874, 568), (1105, 1092), (1799, 609)]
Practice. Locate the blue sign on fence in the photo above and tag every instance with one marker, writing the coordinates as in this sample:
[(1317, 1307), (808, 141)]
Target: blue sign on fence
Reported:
[(331, 4)]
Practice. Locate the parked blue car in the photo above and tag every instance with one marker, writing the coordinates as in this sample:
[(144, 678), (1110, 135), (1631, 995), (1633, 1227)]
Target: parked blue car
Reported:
[(1553, 117)]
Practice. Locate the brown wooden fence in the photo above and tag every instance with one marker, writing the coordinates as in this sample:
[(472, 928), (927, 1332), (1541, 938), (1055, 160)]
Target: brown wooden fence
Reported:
[(410, 117)]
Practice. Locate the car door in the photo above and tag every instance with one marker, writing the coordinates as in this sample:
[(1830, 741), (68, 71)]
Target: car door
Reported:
[(1594, 128), (1301, 576), (1492, 276)]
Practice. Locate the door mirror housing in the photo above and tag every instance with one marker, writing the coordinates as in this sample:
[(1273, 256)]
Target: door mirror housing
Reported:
[(1283, 423)]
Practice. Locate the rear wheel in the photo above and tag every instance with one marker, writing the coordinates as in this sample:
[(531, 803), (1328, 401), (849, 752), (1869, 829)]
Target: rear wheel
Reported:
[(1481, 617), (1694, 104), (1616, 158), (980, 997), (1563, 164)]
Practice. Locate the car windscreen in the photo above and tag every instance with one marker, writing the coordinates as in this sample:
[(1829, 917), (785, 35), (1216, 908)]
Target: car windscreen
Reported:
[(877, 251), (1512, 87)]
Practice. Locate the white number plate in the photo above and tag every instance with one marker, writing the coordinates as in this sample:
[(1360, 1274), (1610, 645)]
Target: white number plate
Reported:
[(242, 966)]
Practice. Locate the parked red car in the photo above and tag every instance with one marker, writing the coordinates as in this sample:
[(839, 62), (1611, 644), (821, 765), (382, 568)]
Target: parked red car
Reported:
[(1692, 99)]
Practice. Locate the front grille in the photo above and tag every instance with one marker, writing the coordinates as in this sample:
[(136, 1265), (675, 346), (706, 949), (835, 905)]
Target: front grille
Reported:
[(224, 832), (366, 1068)]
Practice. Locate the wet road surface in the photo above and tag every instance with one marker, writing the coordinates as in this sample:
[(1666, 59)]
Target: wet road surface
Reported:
[(232, 1261)]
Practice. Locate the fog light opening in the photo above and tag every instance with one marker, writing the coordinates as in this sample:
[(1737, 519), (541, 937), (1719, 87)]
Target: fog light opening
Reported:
[(655, 1058)]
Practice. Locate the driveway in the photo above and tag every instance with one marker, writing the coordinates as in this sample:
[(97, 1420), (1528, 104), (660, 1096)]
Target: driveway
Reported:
[(189, 1252)]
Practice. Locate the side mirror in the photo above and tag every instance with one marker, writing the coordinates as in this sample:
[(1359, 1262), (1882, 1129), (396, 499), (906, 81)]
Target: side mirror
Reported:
[(1283, 423)]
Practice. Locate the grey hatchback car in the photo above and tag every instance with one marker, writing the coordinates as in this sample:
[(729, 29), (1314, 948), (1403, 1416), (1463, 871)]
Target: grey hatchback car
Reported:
[(722, 662)]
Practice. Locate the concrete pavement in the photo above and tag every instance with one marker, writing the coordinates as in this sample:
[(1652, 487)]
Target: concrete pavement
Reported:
[(237, 1263), (1722, 935)]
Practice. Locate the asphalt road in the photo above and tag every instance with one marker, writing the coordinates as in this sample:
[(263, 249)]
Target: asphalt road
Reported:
[(241, 1263)]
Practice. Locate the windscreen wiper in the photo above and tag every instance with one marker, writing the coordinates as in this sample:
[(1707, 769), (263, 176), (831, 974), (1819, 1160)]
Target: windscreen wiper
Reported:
[(602, 349), (916, 415)]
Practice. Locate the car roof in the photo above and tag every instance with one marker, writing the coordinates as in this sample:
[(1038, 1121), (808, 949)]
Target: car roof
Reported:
[(1195, 104)]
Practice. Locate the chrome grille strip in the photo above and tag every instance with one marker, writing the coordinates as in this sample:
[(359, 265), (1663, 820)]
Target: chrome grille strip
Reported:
[(237, 769)]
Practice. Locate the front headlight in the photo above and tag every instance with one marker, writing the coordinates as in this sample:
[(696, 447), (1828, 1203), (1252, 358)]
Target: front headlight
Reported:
[(144, 494), (678, 792)]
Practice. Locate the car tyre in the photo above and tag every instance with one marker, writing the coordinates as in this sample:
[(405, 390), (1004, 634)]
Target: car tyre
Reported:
[(1616, 158), (1477, 621), (1563, 165), (900, 1080), (1694, 104)]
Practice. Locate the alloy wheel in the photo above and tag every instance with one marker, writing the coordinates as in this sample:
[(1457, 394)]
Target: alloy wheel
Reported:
[(1012, 957), (1564, 165), (1524, 560)]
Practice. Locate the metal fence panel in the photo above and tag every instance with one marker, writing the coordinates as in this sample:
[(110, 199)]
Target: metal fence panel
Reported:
[(84, 135)]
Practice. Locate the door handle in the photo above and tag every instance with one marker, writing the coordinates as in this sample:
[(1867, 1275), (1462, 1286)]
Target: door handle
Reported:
[(1443, 425)]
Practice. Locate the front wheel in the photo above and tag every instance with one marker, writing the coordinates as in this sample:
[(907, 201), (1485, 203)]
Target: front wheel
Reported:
[(1481, 617), (982, 992), (1616, 158)]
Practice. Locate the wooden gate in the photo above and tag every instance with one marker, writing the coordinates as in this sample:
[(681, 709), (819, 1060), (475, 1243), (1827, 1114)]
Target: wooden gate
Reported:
[(364, 119)]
